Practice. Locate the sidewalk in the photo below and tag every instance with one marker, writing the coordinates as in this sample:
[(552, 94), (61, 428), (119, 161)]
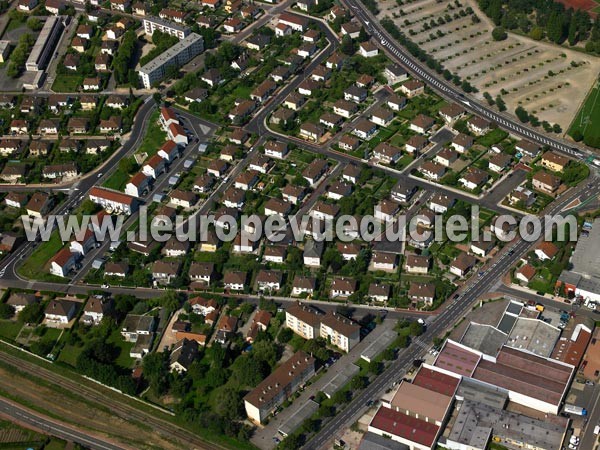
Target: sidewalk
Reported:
[(263, 438)]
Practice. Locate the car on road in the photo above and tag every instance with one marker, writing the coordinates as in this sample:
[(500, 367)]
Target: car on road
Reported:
[(589, 383), (105, 286)]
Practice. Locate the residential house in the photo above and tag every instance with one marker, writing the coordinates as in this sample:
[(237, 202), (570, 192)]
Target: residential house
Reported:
[(499, 162), (387, 262), (432, 170), (546, 251), (268, 280), (345, 108), (554, 161), (342, 287), (293, 194), (185, 199), (364, 129), (303, 285), (451, 113), (421, 293), (446, 157), (275, 253), (474, 178), (387, 153), (417, 264), (416, 144), (368, 49), (313, 252), (348, 143), (412, 88), (60, 311), (422, 124), (478, 125), (462, 264), (462, 142), (234, 280), (165, 271), (379, 292), (545, 182), (63, 262)]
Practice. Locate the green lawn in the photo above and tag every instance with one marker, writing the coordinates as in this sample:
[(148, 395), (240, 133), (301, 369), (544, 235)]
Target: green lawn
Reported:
[(117, 180), (10, 329), (35, 267), (69, 354), (155, 136), (493, 137), (67, 83), (587, 119), (123, 360)]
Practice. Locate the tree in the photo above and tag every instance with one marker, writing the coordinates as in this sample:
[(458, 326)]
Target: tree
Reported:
[(347, 47), (248, 371), (285, 335), (522, 114), (499, 34), (34, 24), (156, 371), (375, 367), (157, 97), (416, 329), (537, 33), (229, 404), (6, 311), (32, 313), (266, 352), (358, 382)]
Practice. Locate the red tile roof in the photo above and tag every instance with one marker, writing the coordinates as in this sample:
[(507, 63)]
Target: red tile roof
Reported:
[(397, 424), (436, 381), (457, 360)]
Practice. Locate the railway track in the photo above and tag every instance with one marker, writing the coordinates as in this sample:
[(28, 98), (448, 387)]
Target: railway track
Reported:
[(168, 430)]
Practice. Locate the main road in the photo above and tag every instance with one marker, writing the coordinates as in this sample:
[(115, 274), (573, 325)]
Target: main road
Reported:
[(448, 90)]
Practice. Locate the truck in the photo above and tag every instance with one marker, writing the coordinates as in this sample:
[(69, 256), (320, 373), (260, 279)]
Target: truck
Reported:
[(572, 409)]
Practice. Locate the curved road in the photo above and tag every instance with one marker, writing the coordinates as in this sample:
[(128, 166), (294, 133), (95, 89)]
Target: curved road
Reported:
[(448, 90)]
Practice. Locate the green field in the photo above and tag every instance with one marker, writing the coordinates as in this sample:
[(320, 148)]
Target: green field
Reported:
[(155, 136), (587, 121), (117, 181), (35, 266), (67, 83)]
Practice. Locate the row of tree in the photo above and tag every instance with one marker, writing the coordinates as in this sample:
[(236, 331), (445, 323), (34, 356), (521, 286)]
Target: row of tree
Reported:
[(545, 18)]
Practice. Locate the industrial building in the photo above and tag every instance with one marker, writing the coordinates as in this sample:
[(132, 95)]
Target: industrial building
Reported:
[(178, 55), (583, 280), (45, 44)]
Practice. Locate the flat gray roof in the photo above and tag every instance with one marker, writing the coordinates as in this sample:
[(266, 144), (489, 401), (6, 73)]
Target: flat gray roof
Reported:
[(506, 323), (372, 441), (484, 338), (166, 23), (303, 413), (378, 345), (339, 380), (476, 422), (475, 391), (533, 335), (585, 257), (170, 53), (514, 308)]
